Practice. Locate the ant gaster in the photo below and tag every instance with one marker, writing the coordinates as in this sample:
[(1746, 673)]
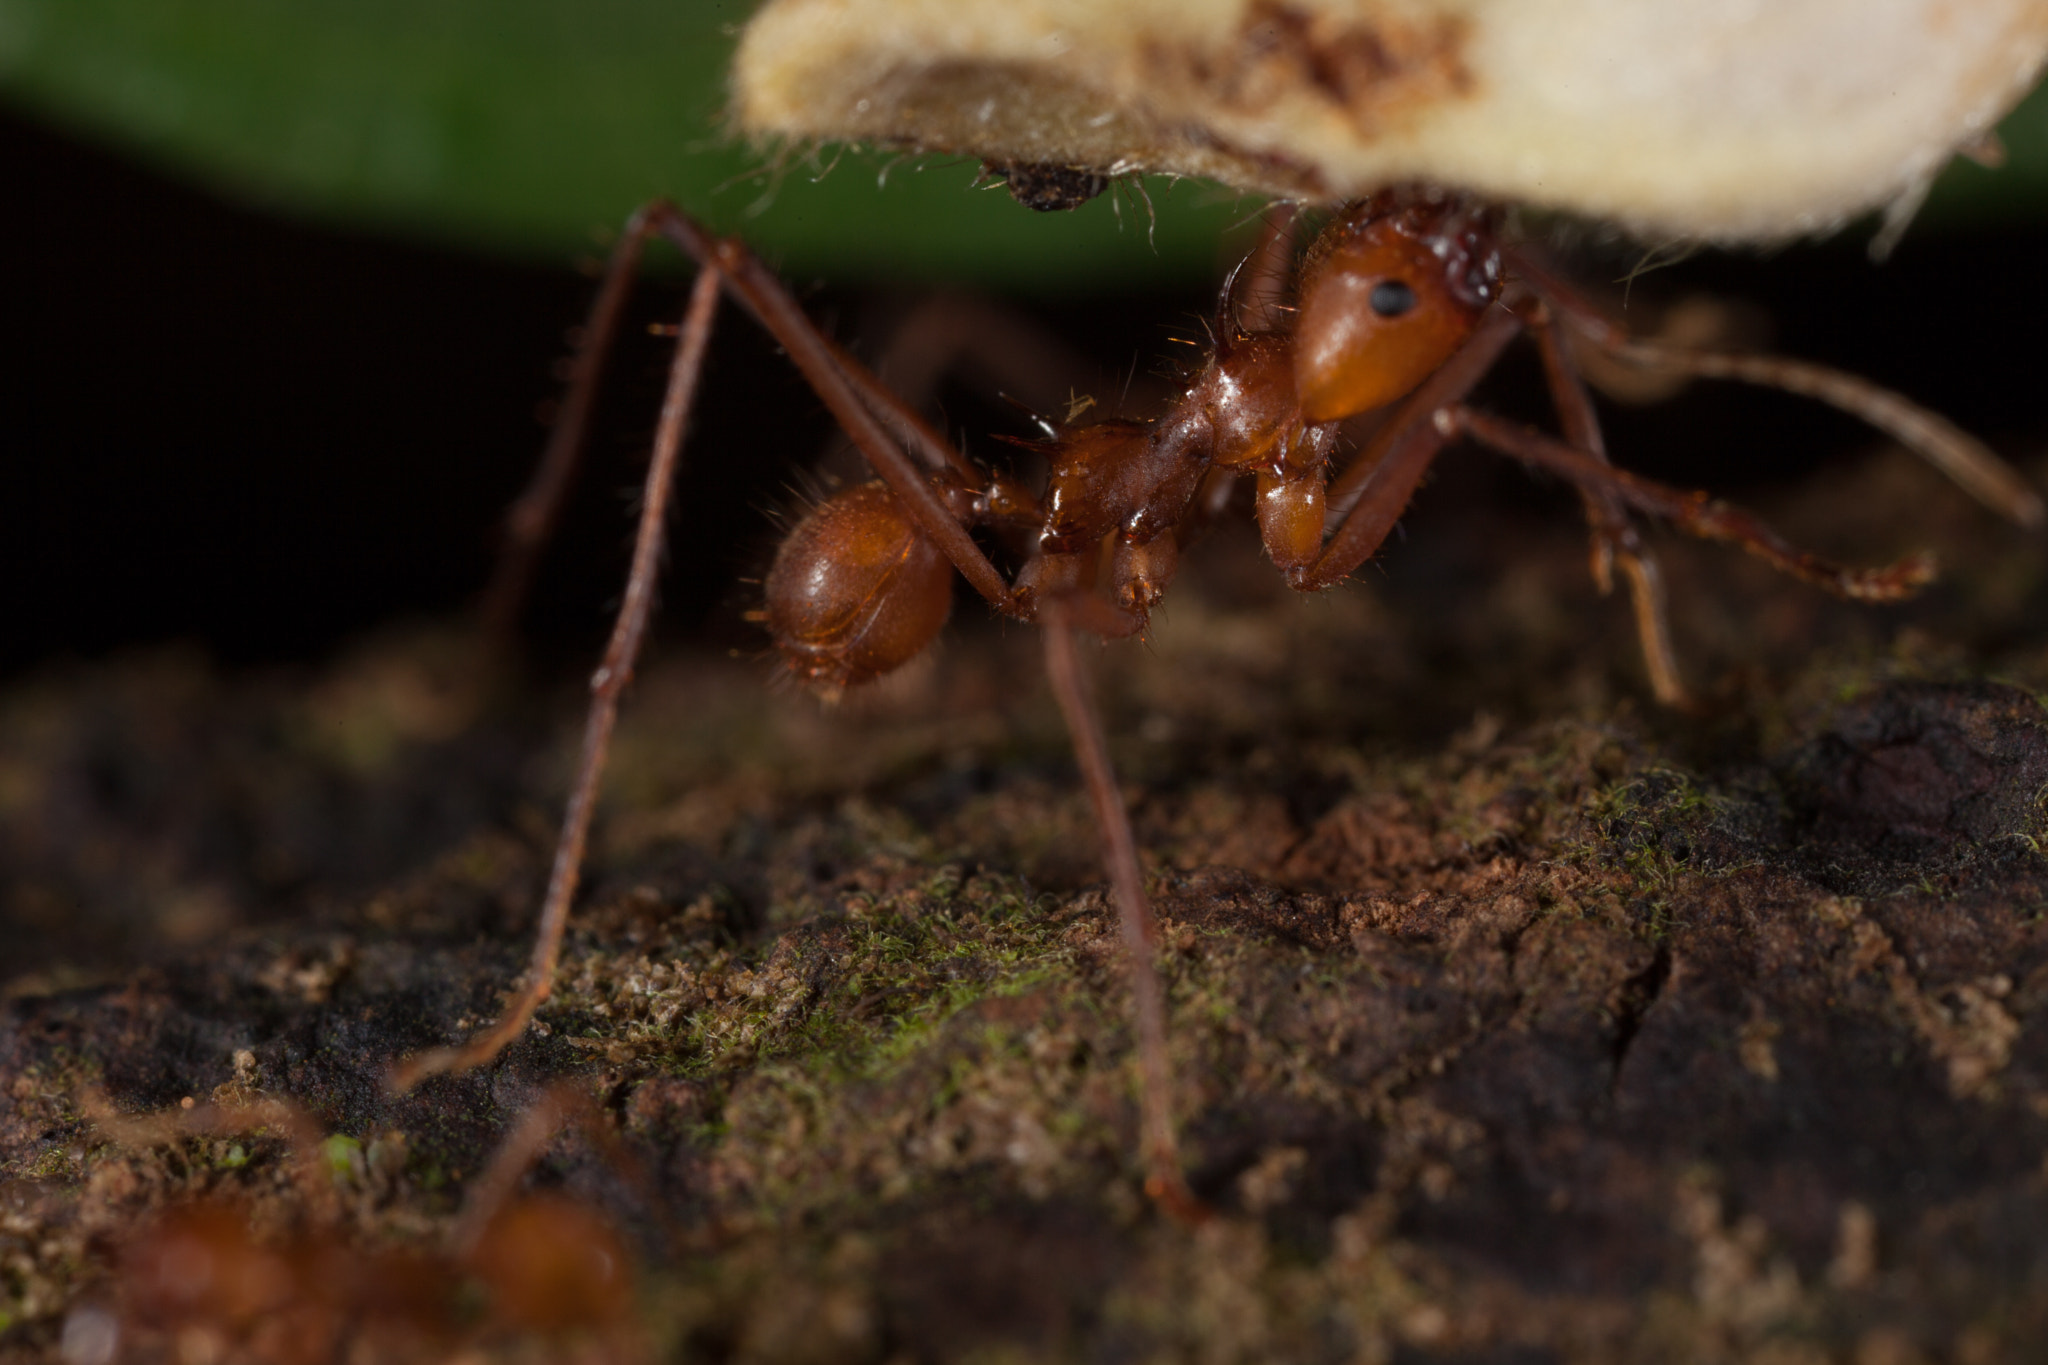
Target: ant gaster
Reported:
[(1404, 301)]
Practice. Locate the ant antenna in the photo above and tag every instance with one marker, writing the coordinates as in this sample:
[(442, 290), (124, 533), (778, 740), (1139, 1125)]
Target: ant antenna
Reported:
[(1655, 258)]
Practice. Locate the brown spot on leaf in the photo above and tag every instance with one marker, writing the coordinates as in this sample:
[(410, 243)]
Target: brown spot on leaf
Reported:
[(1372, 70)]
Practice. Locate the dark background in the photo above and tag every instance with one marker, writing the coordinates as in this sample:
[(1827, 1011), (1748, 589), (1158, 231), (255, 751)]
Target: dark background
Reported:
[(267, 436)]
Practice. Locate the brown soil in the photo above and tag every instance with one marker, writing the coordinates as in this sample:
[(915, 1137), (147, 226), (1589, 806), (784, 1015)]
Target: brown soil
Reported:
[(1514, 1021)]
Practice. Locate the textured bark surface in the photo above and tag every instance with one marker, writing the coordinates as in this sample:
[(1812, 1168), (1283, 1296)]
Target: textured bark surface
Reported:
[(1513, 1020)]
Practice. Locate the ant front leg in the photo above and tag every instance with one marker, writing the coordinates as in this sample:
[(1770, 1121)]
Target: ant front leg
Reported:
[(1615, 539), (1968, 462), (1376, 487), (1694, 513)]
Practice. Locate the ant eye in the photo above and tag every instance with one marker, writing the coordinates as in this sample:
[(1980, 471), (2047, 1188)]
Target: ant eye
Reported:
[(1391, 298)]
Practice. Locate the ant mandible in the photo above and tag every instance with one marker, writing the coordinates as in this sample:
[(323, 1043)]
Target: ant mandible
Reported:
[(1404, 301)]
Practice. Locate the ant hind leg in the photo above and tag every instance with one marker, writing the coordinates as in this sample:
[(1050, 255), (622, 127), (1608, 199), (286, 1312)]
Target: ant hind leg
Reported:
[(881, 426)]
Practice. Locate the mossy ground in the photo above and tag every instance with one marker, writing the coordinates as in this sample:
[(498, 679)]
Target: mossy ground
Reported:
[(1512, 1019)]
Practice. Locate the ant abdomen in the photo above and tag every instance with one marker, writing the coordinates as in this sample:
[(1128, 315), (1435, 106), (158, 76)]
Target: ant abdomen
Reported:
[(856, 590)]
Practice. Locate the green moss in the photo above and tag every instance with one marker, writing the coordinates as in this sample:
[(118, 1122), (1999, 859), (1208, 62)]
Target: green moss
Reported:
[(1665, 829), (52, 1163), (344, 1158), (889, 1100)]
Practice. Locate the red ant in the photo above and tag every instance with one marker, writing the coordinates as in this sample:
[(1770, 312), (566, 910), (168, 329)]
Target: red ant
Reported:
[(1403, 302), (513, 1265)]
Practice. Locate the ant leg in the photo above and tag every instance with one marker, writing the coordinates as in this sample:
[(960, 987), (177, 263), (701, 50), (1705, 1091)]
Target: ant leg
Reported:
[(1694, 513), (530, 521), (1968, 462), (1375, 488), (563, 1104), (530, 1134), (1163, 1180), (864, 407), (861, 403), (1614, 536), (610, 680)]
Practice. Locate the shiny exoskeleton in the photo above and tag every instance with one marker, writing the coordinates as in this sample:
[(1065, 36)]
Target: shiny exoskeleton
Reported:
[(1391, 288), (1408, 295)]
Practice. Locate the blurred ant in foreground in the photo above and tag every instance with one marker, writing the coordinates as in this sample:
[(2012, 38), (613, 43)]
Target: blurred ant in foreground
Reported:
[(202, 1281), (1403, 302)]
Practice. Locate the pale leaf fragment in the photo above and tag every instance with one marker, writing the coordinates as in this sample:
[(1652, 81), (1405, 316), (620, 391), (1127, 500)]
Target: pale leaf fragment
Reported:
[(1724, 120)]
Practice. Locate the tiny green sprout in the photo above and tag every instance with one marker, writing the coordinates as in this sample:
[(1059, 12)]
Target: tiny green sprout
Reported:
[(344, 1156), (234, 1158)]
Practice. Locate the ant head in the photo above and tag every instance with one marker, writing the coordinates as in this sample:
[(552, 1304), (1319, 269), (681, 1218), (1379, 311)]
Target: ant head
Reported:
[(1393, 286)]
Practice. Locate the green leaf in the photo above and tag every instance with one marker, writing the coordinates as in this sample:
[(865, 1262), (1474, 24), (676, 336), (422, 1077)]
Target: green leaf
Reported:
[(533, 126), (529, 126)]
